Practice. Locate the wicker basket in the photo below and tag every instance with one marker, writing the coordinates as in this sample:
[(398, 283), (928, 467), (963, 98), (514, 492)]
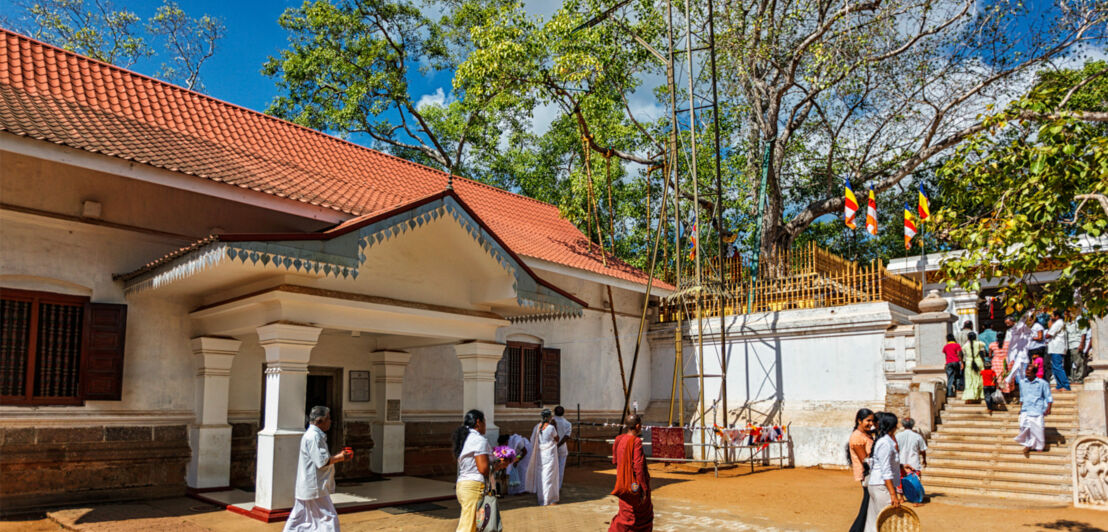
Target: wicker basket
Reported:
[(901, 519)]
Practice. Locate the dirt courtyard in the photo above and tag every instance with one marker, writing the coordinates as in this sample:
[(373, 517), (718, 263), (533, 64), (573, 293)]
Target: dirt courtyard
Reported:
[(768, 499)]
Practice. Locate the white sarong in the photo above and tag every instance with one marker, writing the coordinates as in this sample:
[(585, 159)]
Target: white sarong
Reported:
[(1032, 433), (542, 472), (519, 443), (315, 515)]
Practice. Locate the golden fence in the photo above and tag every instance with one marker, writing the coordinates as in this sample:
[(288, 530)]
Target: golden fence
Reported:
[(807, 277)]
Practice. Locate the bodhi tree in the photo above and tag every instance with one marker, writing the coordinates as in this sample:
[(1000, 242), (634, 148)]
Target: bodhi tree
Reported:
[(1020, 215), (871, 90), (97, 29), (349, 66)]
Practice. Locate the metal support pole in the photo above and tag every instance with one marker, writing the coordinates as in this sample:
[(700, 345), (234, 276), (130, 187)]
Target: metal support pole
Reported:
[(724, 355), (761, 213), (696, 219)]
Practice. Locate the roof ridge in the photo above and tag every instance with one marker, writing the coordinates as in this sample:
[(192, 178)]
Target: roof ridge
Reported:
[(279, 121)]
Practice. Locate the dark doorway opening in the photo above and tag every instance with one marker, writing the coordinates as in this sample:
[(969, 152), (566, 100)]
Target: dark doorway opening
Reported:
[(324, 389)]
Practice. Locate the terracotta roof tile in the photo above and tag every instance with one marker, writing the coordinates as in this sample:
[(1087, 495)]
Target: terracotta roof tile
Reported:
[(50, 94)]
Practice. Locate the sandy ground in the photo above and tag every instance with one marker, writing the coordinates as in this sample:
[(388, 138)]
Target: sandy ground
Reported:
[(791, 499)]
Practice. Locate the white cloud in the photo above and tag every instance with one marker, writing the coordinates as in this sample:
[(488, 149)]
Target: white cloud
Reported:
[(437, 98), (542, 116)]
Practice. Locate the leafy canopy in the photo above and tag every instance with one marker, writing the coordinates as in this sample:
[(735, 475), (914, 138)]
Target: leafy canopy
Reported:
[(1016, 214)]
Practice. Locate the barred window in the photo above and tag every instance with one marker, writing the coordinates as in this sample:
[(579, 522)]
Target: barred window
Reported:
[(528, 375), (47, 342)]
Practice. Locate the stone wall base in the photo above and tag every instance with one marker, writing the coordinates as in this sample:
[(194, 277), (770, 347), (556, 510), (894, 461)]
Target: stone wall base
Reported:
[(47, 467), (244, 453)]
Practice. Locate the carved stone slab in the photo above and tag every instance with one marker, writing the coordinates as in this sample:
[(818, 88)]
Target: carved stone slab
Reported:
[(1090, 472)]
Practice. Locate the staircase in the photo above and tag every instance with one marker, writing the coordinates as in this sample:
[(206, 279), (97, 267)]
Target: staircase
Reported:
[(972, 453)]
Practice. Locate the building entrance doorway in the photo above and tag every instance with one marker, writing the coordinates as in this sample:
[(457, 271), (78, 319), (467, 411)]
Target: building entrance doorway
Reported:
[(324, 389)]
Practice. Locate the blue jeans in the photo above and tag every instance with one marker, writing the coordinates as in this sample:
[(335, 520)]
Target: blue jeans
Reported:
[(1059, 368)]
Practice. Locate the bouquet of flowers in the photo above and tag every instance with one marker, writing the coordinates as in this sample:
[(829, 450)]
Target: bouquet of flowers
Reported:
[(503, 452)]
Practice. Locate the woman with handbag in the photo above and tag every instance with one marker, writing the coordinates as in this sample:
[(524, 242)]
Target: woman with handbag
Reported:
[(473, 453), (636, 511), (858, 452), (973, 355), (884, 478)]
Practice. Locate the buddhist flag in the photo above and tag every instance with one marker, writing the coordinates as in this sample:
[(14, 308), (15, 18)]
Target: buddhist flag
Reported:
[(850, 206), (909, 227), (924, 205), (692, 243), (871, 214)]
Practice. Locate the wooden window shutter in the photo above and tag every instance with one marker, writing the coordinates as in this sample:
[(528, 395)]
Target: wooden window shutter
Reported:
[(105, 331), (551, 376), (500, 395)]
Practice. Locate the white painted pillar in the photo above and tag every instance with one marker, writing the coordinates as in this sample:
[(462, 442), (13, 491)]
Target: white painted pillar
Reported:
[(388, 427), (288, 348), (965, 307), (479, 360), (210, 437)]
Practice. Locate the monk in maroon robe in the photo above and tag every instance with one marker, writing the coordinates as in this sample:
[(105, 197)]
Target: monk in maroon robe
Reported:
[(636, 513)]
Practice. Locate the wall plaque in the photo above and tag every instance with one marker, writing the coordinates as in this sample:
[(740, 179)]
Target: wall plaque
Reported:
[(392, 413), (359, 386)]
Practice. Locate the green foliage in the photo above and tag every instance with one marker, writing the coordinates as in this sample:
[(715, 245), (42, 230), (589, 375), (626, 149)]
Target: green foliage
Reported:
[(95, 29), (1016, 216)]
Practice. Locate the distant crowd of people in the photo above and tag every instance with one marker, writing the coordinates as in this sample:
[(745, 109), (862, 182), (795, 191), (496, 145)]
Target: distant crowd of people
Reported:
[(984, 366)]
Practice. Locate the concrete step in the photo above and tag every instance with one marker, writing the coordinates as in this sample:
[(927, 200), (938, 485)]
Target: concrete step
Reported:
[(997, 439), (1028, 476), (1049, 489), (966, 492), (1059, 400), (1052, 466), (995, 425), (1055, 410), (1010, 447)]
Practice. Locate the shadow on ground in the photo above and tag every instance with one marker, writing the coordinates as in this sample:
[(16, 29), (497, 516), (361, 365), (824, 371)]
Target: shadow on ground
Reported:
[(1068, 526)]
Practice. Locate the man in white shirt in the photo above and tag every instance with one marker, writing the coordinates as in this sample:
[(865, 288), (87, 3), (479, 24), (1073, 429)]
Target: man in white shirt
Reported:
[(1080, 343), (565, 429), (1056, 349), (1073, 342), (913, 448), (315, 478)]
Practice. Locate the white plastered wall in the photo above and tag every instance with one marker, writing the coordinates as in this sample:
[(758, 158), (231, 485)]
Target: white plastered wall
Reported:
[(817, 367), (64, 257)]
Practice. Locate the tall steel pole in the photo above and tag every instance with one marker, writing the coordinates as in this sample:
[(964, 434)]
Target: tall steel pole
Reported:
[(724, 356), (696, 218), (679, 335)]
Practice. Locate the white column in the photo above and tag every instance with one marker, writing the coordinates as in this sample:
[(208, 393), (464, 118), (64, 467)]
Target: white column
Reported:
[(210, 436), (388, 428), (965, 306), (479, 361), (288, 348)]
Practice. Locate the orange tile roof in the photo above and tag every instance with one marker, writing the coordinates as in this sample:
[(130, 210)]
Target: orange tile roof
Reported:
[(54, 95)]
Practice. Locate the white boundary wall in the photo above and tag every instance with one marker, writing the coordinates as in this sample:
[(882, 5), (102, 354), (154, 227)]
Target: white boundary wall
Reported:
[(816, 367)]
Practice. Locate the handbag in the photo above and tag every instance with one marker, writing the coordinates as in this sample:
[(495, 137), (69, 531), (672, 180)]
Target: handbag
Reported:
[(913, 489), (488, 511), (998, 397)]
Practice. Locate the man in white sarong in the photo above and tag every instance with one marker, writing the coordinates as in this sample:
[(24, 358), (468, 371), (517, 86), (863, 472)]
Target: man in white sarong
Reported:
[(565, 430), (522, 447), (1019, 339), (542, 471), (315, 478), (1035, 403)]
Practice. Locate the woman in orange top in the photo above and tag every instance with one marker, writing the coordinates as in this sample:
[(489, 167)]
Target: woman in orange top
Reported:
[(999, 350), (858, 451)]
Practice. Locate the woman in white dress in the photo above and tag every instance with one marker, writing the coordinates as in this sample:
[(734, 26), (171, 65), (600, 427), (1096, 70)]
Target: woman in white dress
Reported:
[(542, 471)]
